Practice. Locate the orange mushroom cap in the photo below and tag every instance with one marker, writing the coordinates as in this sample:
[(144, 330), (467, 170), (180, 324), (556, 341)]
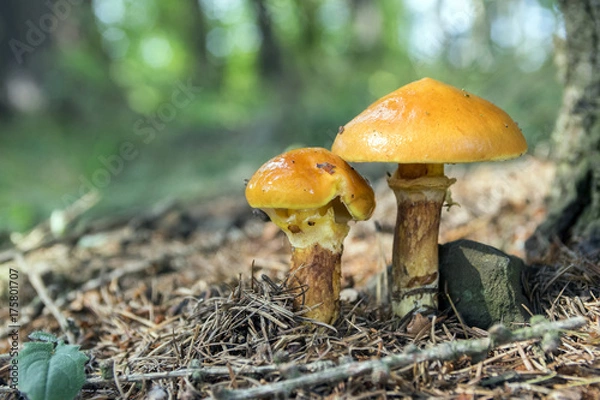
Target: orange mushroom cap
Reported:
[(310, 178), (428, 121)]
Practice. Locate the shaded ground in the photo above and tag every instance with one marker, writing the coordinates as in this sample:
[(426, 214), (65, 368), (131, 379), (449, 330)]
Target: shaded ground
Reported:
[(161, 292)]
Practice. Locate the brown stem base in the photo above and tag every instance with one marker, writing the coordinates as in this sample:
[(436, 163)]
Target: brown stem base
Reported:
[(318, 271)]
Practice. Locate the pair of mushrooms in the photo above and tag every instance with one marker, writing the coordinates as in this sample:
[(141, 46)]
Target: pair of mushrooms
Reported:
[(312, 193)]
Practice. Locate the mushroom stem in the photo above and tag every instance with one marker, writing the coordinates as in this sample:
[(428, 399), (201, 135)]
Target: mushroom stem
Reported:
[(316, 238), (318, 271), (420, 191)]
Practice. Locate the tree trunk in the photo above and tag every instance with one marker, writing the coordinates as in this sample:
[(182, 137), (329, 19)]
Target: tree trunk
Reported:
[(270, 54), (16, 50), (574, 208)]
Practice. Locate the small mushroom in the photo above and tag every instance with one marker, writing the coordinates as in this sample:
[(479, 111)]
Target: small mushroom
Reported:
[(311, 194), (421, 126)]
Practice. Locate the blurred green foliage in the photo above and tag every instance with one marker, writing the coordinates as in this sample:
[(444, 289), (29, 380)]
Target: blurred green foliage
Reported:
[(261, 75)]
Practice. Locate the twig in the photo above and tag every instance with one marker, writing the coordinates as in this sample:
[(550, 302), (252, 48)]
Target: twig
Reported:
[(43, 235), (446, 351), (208, 371), (128, 268), (117, 382), (7, 255), (36, 281), (460, 320)]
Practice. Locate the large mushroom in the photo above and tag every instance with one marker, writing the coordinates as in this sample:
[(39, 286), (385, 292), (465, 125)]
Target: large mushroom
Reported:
[(421, 126), (311, 194)]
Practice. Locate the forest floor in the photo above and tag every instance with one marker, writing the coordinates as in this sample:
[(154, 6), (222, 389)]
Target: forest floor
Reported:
[(201, 289)]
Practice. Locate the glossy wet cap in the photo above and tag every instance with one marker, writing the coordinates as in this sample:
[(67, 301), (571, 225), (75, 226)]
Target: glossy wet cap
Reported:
[(428, 121), (310, 178)]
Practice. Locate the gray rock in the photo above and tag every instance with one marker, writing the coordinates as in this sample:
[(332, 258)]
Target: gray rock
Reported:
[(483, 282)]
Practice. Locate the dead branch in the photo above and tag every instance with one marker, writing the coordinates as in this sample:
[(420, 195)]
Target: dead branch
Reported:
[(51, 231), (207, 371), (38, 284), (498, 335)]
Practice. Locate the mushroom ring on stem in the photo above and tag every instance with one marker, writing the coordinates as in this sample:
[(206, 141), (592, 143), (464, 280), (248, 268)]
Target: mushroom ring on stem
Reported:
[(421, 126), (312, 194)]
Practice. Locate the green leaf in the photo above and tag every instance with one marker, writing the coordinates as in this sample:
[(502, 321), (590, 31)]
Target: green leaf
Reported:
[(49, 372)]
